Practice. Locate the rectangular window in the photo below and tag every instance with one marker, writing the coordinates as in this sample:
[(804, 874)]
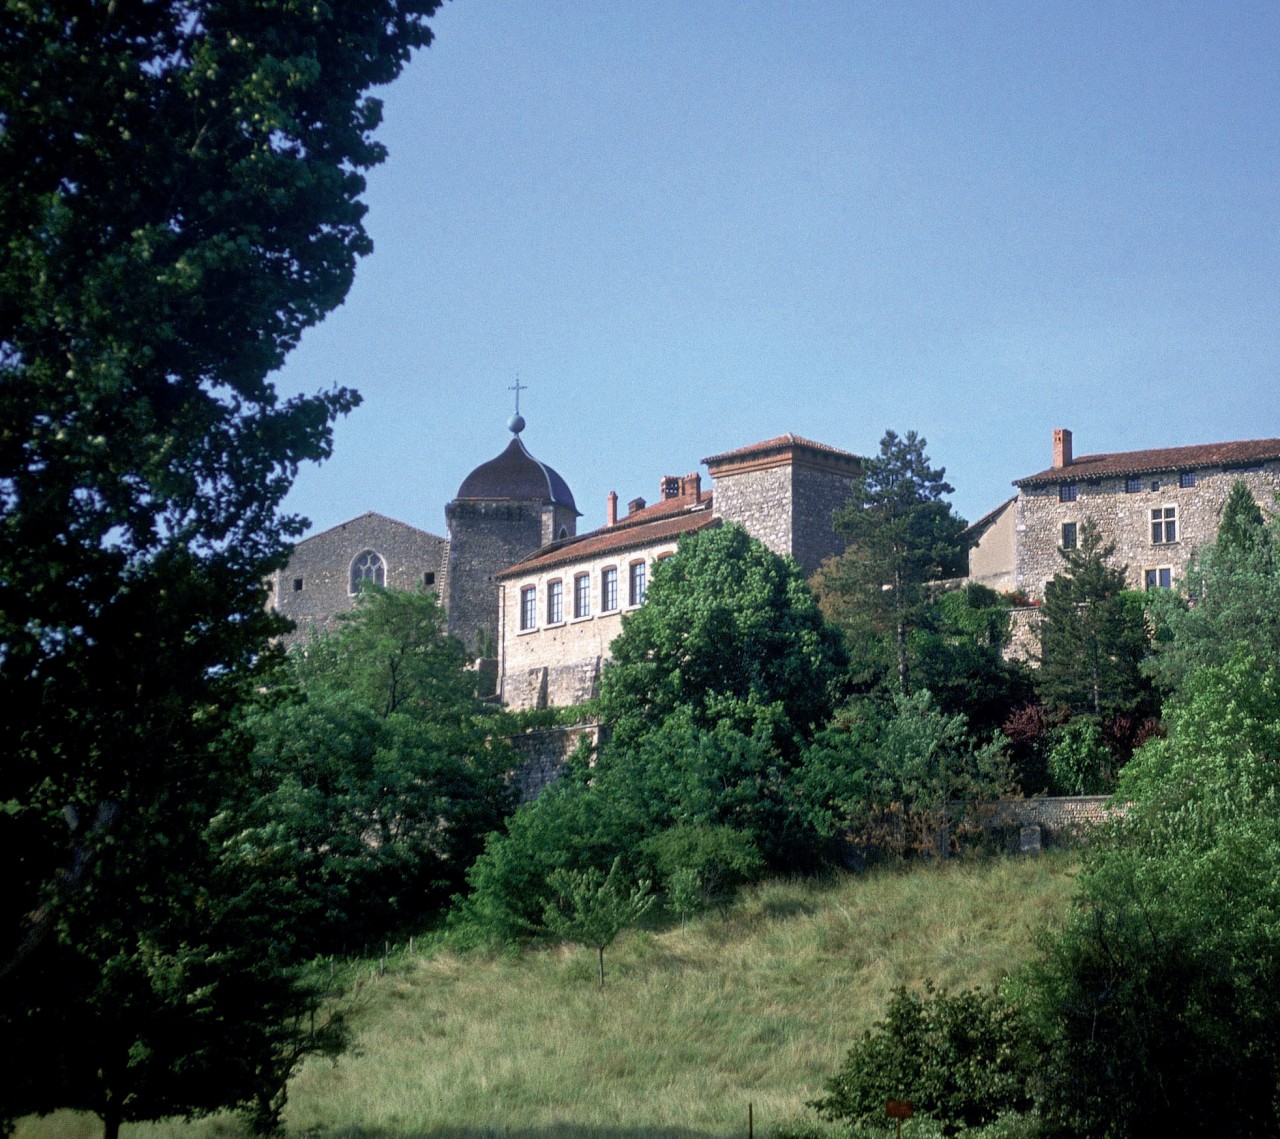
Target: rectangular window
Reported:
[(1068, 535), (1132, 485), (608, 589), (636, 595), (582, 595), (1186, 479), (555, 602), (297, 585), (428, 578), (1164, 525), (528, 607), (1066, 492), (1159, 578)]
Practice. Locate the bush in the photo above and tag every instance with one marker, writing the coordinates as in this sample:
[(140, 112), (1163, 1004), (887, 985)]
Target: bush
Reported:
[(700, 866), (964, 1060)]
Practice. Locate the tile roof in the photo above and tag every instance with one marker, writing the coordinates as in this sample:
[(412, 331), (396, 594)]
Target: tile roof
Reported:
[(657, 523), (777, 443), (1162, 459)]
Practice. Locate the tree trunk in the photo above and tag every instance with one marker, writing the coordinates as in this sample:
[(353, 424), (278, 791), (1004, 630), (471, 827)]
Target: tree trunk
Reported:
[(600, 951), (111, 1126)]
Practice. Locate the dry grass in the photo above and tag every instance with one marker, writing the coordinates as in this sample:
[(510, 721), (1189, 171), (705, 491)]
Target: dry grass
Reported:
[(696, 1022)]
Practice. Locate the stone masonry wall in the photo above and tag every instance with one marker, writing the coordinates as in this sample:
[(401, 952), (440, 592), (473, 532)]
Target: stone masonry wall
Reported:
[(761, 502), (543, 752), (1125, 519), (485, 537), (316, 584), (816, 495)]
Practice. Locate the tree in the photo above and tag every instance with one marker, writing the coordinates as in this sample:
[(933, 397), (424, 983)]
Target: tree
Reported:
[(1093, 635), (1228, 599), (375, 780), (180, 201), (901, 535), (1161, 998), (593, 908)]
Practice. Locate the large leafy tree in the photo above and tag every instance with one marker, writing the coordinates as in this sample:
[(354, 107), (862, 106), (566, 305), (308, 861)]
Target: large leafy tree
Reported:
[(179, 200), (1093, 636), (1161, 998), (902, 535)]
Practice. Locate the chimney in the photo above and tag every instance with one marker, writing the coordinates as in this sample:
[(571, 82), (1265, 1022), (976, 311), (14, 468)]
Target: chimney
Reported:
[(1061, 447), (611, 509), (692, 484), (634, 505), (668, 488)]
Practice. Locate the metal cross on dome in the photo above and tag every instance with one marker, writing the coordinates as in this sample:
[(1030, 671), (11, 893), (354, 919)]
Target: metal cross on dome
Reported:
[(518, 387)]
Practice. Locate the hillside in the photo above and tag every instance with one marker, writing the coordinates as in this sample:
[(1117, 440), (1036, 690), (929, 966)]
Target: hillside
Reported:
[(696, 1021)]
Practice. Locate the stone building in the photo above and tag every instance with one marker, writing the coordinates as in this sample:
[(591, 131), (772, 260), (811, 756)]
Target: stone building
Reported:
[(1156, 506), (503, 511), (325, 572), (560, 608)]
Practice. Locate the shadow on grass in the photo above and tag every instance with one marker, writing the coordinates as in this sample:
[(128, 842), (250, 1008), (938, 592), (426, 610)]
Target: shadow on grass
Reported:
[(557, 1131)]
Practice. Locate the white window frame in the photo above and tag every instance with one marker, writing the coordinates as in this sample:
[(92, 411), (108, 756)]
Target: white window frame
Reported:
[(1164, 524), (581, 596), (608, 589), (373, 569), (1147, 573), (555, 601)]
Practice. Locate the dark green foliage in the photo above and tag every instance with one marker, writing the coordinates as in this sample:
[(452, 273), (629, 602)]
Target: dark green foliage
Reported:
[(699, 865), (1161, 1000), (886, 778), (901, 536), (1229, 597), (957, 653), (714, 690), (178, 201), (727, 625), (962, 1059), (376, 782), (1093, 635), (1078, 761), (592, 908)]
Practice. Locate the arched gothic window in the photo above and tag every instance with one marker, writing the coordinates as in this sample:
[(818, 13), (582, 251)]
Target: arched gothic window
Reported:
[(367, 567)]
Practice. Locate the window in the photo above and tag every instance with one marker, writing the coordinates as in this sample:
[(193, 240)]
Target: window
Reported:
[(608, 589), (582, 595), (297, 585), (1066, 492), (428, 578), (636, 593), (1155, 485), (1068, 535), (1186, 479), (1164, 525), (528, 607), (1161, 577), (367, 568), (555, 602), (1132, 485)]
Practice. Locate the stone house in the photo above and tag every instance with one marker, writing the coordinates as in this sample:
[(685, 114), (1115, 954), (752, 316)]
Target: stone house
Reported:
[(1156, 506), (560, 608)]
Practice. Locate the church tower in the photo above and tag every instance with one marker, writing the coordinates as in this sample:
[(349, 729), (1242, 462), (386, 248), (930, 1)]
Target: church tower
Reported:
[(504, 510)]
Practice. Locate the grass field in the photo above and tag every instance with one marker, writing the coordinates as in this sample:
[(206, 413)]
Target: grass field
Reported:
[(696, 1022)]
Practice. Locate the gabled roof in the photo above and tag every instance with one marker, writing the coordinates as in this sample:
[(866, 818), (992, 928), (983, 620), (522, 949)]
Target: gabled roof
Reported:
[(660, 522), (367, 516), (976, 529), (1121, 463)]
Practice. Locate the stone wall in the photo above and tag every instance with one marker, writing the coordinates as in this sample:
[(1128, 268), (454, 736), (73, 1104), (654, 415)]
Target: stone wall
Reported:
[(761, 502), (1125, 519), (543, 753), (315, 586), (816, 494), (1060, 818), (485, 537)]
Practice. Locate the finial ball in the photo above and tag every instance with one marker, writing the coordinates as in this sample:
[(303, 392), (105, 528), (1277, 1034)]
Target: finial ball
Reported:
[(516, 424)]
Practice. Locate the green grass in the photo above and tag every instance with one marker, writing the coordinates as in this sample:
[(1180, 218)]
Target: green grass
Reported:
[(695, 1023)]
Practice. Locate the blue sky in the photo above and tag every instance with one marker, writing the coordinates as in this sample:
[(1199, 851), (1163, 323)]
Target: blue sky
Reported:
[(690, 226)]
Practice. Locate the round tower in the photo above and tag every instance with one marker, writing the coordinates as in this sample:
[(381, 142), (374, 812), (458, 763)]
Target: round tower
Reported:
[(504, 510)]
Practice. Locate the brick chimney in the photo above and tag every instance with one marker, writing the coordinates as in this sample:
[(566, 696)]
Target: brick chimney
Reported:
[(634, 505), (611, 509), (1061, 447), (692, 484), (668, 488)]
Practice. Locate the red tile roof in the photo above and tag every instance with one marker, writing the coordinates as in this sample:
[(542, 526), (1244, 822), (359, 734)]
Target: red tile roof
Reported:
[(777, 443), (1122, 463), (657, 523)]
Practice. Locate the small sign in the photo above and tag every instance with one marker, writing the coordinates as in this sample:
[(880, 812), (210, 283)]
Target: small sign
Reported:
[(898, 1109)]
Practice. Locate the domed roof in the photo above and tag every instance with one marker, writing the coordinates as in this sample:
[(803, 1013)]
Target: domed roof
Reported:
[(516, 474)]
